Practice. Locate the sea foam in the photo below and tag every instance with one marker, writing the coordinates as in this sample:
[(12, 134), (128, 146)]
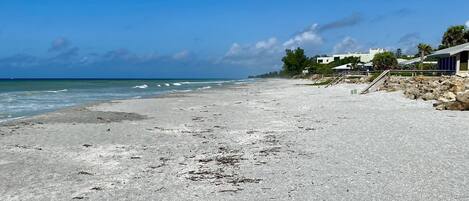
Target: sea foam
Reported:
[(141, 86), (207, 87), (57, 91)]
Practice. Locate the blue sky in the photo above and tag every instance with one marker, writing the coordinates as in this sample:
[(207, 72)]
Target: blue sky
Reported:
[(204, 38)]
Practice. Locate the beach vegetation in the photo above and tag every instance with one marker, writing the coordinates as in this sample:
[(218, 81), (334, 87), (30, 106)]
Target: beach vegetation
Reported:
[(323, 69), (454, 35), (384, 61), (295, 61), (399, 53), (424, 49), (273, 74)]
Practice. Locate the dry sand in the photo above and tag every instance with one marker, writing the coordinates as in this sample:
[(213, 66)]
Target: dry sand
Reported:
[(269, 140)]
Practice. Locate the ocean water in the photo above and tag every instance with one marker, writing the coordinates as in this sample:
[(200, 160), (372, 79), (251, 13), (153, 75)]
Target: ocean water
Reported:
[(20, 98)]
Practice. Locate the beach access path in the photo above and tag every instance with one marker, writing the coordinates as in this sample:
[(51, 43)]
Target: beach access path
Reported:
[(272, 139)]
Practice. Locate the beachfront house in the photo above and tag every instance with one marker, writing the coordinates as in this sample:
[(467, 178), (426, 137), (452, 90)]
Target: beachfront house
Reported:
[(364, 57), (454, 59)]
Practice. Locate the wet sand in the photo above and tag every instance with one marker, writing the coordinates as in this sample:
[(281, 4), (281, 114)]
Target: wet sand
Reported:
[(268, 140)]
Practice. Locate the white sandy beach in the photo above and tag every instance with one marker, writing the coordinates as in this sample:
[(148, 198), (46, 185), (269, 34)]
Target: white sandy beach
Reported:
[(268, 140)]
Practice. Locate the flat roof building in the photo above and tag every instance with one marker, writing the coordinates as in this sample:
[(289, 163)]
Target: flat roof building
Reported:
[(453, 59), (364, 57)]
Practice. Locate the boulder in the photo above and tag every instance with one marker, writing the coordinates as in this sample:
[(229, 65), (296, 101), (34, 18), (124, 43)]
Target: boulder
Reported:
[(428, 96), (443, 87), (412, 93), (457, 86), (450, 96), (434, 84), (456, 106), (440, 106), (463, 97), (452, 92)]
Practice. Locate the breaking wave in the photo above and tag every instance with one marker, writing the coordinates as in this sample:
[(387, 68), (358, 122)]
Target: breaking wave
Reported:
[(206, 87), (57, 91), (144, 86)]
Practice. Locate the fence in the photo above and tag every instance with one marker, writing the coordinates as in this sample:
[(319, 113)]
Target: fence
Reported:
[(401, 72)]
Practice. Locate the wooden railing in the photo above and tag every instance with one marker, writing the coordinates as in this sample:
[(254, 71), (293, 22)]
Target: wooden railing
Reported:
[(403, 72)]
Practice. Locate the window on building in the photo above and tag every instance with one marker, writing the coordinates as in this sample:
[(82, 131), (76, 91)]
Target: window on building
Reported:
[(463, 63)]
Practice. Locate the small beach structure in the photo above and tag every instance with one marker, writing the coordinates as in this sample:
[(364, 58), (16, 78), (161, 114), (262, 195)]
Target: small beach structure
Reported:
[(344, 67), (454, 59)]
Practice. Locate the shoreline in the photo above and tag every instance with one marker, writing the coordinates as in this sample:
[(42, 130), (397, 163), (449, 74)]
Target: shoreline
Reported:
[(16, 120), (271, 139)]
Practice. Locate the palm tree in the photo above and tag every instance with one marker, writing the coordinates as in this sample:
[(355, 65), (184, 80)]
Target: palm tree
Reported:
[(455, 35), (424, 49)]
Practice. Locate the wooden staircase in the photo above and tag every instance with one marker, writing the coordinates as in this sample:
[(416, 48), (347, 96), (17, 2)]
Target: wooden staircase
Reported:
[(376, 82), (336, 80)]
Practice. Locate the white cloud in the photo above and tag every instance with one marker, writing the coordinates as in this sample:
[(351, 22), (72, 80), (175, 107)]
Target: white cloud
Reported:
[(348, 44), (264, 52), (234, 50), (307, 37), (467, 23), (270, 43), (269, 52), (261, 47), (181, 55)]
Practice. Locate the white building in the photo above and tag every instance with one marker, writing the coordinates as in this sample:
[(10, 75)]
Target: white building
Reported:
[(364, 57)]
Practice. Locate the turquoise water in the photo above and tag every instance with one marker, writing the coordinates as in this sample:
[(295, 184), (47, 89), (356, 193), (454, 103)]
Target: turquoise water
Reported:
[(19, 98)]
